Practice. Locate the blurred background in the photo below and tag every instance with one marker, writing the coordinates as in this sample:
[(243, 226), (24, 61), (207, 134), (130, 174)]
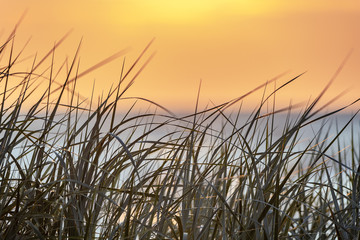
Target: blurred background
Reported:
[(232, 46)]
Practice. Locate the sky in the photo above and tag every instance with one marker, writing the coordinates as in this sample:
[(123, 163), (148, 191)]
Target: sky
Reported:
[(230, 46)]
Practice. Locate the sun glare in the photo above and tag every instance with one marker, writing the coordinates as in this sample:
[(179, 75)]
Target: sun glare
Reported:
[(185, 11)]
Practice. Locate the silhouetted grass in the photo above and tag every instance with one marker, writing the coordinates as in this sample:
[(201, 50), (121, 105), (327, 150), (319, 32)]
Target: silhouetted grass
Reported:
[(72, 171)]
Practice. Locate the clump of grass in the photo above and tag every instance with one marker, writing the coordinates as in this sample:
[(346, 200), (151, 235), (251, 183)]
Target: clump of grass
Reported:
[(72, 171)]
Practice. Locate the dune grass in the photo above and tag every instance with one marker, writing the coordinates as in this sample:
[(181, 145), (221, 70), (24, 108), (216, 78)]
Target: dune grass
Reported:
[(69, 170)]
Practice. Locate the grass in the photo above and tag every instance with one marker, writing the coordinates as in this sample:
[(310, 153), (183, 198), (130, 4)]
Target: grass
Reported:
[(69, 170)]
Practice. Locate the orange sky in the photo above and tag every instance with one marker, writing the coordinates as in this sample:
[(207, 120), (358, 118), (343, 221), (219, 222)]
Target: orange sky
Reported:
[(232, 45)]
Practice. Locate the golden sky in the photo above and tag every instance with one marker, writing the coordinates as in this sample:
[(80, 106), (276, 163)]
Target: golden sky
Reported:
[(231, 45)]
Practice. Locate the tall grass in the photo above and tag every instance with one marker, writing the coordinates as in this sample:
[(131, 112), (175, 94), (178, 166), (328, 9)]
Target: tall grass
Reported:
[(69, 170)]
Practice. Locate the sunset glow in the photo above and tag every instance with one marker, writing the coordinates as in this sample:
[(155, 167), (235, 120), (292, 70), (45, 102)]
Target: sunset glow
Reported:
[(232, 46)]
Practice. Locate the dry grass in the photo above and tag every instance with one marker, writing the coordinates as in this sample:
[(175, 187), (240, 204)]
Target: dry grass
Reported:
[(68, 171)]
